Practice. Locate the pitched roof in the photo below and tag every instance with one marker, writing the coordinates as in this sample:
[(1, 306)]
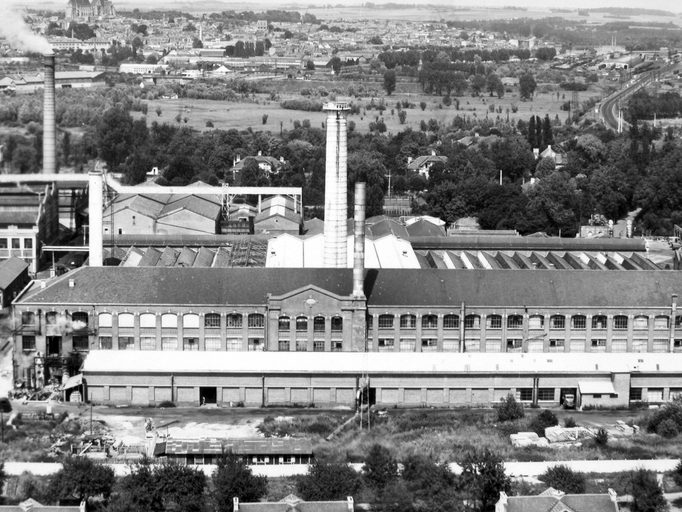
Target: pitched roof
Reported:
[(565, 503), (9, 270)]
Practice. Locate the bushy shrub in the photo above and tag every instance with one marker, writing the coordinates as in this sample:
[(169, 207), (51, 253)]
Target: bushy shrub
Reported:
[(166, 404), (306, 105), (542, 421), (668, 428), (569, 422), (671, 411), (602, 437), (677, 474), (564, 479), (510, 409)]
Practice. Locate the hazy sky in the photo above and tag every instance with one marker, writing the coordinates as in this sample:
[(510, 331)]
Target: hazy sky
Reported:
[(669, 5)]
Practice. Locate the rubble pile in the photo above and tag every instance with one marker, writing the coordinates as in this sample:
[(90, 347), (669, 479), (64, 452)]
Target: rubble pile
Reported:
[(524, 439)]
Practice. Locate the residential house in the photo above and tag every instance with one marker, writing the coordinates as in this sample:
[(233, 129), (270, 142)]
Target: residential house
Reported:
[(423, 164), (295, 504), (553, 500)]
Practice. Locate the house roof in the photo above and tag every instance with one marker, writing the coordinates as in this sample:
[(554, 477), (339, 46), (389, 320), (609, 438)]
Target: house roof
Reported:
[(424, 228), (562, 503), (9, 270), (421, 161), (264, 446), (292, 503)]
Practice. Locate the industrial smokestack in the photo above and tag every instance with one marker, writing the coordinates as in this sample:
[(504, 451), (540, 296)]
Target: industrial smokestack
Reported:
[(49, 123), (359, 240), (95, 208), (335, 190)]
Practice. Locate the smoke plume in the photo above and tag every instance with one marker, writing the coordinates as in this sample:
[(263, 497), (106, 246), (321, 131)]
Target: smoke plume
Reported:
[(18, 34)]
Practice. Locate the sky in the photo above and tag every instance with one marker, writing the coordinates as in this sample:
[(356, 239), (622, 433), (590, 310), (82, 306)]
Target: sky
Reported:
[(669, 5)]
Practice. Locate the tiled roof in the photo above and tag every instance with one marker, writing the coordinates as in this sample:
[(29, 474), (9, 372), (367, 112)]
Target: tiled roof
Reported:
[(566, 503), (9, 270)]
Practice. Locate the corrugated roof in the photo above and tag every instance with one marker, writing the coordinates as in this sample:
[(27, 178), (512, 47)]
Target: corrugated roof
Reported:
[(258, 446), (520, 243)]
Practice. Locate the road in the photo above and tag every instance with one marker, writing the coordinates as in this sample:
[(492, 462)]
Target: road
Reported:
[(608, 110)]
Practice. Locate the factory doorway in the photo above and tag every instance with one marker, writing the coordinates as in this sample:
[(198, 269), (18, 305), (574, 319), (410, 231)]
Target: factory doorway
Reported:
[(208, 396), (568, 398), (54, 345)]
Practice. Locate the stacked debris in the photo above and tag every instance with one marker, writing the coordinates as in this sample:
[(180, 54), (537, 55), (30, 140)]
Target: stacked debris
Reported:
[(524, 439), (559, 434)]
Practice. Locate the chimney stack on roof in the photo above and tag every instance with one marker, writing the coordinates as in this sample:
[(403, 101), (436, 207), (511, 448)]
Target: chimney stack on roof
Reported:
[(49, 116)]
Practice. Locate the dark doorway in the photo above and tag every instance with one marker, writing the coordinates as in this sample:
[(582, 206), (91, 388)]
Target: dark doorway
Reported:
[(54, 345), (568, 398), (208, 396)]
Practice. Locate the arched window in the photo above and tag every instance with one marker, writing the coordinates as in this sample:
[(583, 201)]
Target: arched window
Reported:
[(493, 322), (79, 320), (51, 318), (212, 320), (557, 322), (284, 323), (190, 321), (148, 320), (28, 318), (126, 320), (514, 322), (599, 322), (641, 322), (256, 321), (472, 322), (169, 321), (337, 324), (451, 322), (578, 322), (620, 322), (301, 323), (408, 322), (536, 322), (662, 322), (319, 324), (104, 320), (234, 321), (429, 322), (385, 321)]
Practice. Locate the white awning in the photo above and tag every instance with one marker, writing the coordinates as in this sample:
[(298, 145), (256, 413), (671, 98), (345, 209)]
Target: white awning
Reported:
[(74, 381), (596, 387)]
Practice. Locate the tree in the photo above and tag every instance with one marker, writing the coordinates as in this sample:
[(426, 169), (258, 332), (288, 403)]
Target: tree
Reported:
[(81, 477), (510, 409), (114, 137), (477, 84), (335, 64), (677, 474), (3, 476), (532, 137), (66, 147), (527, 86), (547, 134), (542, 421), (492, 82), (483, 477), (252, 175), (137, 491), (647, 495), (389, 81), (328, 481), (234, 478), (402, 116), (180, 485), (564, 479), (380, 467), (428, 480)]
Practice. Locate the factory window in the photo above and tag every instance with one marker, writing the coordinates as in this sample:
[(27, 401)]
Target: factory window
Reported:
[(337, 346), (3, 243), (385, 344), (81, 343), (451, 322), (370, 322), (654, 395), (28, 243), (231, 344), (148, 321), (635, 394), (301, 346), (319, 323), (190, 344), (28, 343), (677, 345), (212, 320), (557, 322), (599, 322), (407, 344), (579, 322), (556, 345), (302, 324), (126, 320), (429, 322), (639, 322), (662, 322), (16, 243), (536, 322), (256, 321), (598, 343), (318, 346), (283, 346), (126, 343), (284, 323), (104, 320), (79, 320), (546, 394), (514, 322), (169, 343), (337, 324), (147, 343), (234, 321), (620, 322), (408, 322), (524, 394), (255, 344), (678, 321), (51, 318), (429, 344), (105, 343), (190, 321), (385, 321), (493, 322), (514, 345), (169, 321), (472, 322)]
